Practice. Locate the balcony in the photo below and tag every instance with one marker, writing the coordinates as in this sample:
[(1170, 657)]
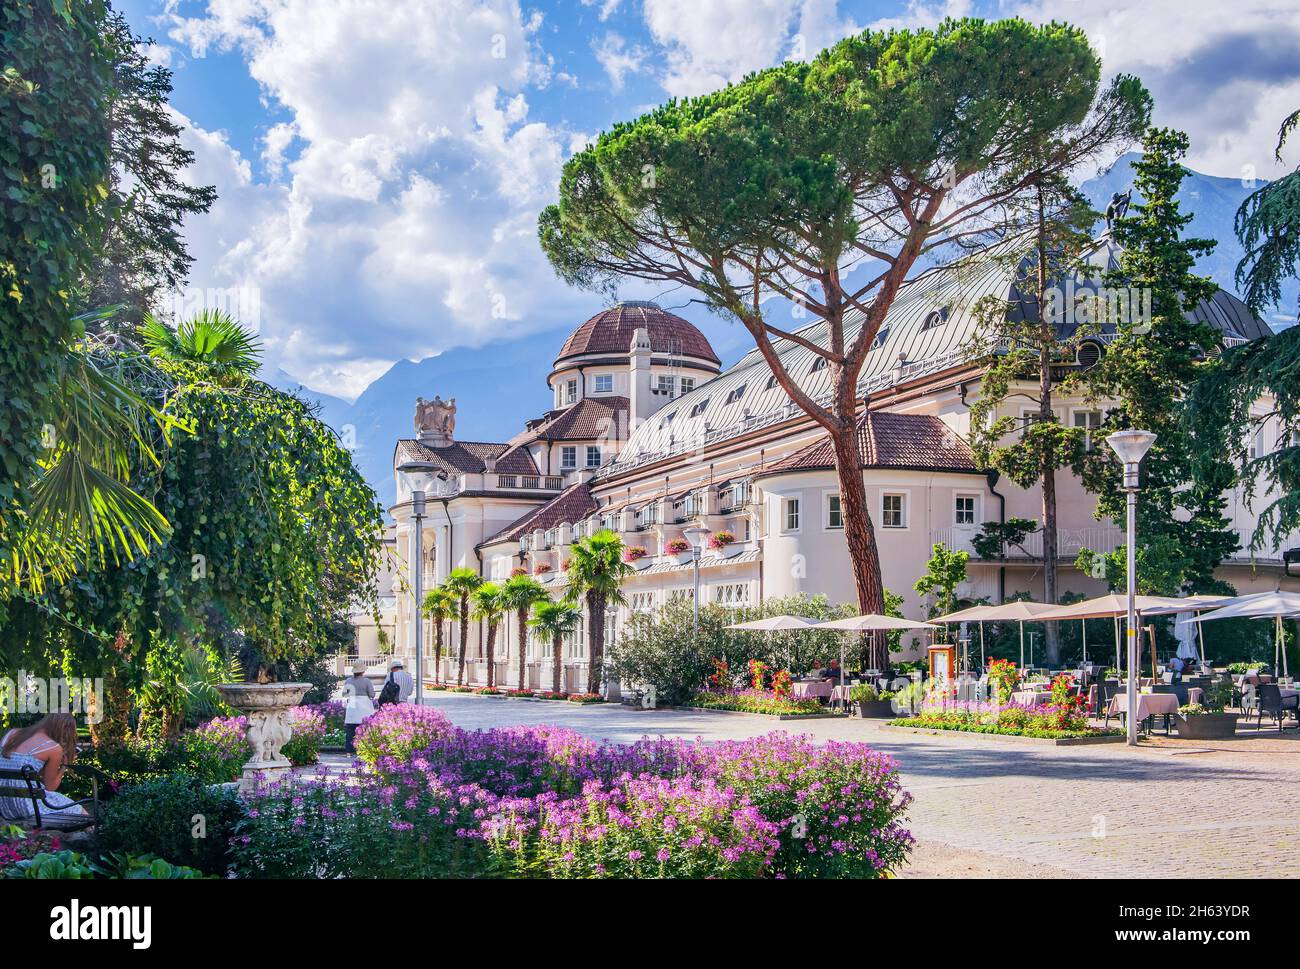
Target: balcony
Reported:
[(1069, 542), (528, 482)]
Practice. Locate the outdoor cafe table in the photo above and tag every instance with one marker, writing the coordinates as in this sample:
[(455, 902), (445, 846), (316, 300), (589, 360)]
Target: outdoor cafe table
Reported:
[(1031, 698), (811, 690), (1149, 705)]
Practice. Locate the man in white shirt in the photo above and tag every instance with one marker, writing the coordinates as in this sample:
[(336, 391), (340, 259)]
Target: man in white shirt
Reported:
[(405, 683)]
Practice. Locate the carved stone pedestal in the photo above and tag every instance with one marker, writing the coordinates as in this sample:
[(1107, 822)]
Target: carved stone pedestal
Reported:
[(267, 707)]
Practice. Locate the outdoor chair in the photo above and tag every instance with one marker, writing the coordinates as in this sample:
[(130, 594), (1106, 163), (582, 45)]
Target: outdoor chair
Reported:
[(1248, 699), (1275, 705), (19, 780), (1105, 691)]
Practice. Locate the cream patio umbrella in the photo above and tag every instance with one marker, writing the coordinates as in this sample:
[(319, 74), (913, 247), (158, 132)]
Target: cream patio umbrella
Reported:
[(1192, 604), (775, 624), (1017, 610), (1111, 606), (871, 622), (1265, 605)]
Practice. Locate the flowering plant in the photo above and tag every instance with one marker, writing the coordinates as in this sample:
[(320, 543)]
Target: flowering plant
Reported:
[(546, 802), (676, 546), (782, 682), (397, 730), (542, 568), (633, 553), (757, 674), (720, 678), (1004, 678), (303, 746), (517, 571), (719, 540)]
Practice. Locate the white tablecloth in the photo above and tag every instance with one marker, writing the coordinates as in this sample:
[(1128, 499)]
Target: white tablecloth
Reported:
[(808, 691), (1149, 704)]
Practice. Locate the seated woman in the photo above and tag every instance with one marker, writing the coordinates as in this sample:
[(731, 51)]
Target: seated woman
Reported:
[(48, 747)]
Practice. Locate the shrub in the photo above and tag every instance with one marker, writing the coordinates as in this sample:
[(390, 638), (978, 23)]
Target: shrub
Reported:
[(157, 818), (864, 693), (754, 701), (397, 731), (303, 747), (547, 802)]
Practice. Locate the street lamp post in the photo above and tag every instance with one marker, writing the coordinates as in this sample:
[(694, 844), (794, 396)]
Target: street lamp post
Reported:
[(696, 537), (1131, 447), (418, 480)]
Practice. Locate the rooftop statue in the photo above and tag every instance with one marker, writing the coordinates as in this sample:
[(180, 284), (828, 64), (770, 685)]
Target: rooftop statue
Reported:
[(1118, 208), (435, 420)]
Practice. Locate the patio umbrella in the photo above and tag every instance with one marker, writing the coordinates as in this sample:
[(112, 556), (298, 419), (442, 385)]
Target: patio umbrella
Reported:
[(775, 624), (1018, 610), (1190, 605), (871, 622), (1111, 606), (1264, 605)]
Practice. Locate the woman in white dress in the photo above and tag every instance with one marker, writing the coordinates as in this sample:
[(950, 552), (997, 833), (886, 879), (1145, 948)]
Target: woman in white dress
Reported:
[(47, 747), (358, 703)]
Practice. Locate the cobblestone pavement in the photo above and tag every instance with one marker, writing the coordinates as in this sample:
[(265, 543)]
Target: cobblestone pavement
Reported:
[(1174, 809)]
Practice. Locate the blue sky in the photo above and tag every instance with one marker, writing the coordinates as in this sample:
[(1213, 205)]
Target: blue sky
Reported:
[(380, 163)]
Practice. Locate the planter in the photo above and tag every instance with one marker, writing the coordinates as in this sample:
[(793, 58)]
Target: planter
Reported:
[(643, 562), (682, 558), (1208, 726), (876, 708), (267, 707)]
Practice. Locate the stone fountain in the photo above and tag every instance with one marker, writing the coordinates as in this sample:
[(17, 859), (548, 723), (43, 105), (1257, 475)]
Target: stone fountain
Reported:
[(267, 707)]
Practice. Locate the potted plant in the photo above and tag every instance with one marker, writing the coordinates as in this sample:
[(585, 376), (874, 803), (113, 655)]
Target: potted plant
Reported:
[(1206, 720), (636, 556), (724, 543), (542, 568), (679, 548), (872, 702)]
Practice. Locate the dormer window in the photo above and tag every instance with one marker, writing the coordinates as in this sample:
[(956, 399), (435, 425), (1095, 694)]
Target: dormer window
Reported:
[(698, 409), (668, 419), (881, 336), (772, 381), (818, 364), (604, 383), (935, 320), (736, 394)]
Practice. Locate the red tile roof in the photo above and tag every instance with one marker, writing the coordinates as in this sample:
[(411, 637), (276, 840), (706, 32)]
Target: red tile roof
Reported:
[(590, 419), (886, 440), (610, 331), (469, 457), (571, 505)]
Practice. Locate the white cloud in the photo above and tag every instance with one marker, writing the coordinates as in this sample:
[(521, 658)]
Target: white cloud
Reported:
[(1226, 76), (404, 220), (607, 7), (709, 43), (618, 60)]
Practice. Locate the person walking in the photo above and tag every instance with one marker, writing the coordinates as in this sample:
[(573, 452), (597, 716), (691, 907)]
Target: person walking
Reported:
[(399, 686), (358, 703)]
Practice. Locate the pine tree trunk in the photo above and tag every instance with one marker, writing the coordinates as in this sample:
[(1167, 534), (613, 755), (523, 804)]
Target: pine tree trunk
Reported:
[(859, 532), (523, 644), (1046, 341), (491, 654), (596, 637), (464, 638), (557, 664)]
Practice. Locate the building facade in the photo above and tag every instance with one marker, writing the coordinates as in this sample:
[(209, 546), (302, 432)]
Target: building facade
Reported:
[(649, 437)]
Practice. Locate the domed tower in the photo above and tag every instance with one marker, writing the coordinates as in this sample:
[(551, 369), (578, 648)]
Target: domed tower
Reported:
[(636, 350)]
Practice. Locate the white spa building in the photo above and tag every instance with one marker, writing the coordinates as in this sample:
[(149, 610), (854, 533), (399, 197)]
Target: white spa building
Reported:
[(648, 436)]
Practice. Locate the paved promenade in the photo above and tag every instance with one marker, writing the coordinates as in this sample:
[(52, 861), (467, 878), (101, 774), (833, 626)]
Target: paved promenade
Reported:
[(986, 807)]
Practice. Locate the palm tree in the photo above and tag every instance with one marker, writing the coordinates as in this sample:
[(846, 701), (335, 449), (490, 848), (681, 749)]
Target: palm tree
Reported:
[(211, 337), (83, 507), (556, 620), (489, 607), (596, 571), (461, 583), (440, 605), (521, 593)]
